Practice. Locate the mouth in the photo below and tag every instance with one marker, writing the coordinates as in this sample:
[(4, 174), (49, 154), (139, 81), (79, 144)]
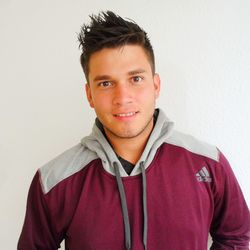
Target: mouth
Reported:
[(128, 114)]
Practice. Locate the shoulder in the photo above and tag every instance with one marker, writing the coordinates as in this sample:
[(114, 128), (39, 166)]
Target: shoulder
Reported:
[(193, 145), (66, 164)]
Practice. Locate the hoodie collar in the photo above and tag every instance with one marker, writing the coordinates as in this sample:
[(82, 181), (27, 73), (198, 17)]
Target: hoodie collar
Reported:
[(98, 143)]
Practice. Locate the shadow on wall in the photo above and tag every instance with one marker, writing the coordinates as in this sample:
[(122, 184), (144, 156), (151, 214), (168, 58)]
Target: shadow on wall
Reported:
[(173, 96)]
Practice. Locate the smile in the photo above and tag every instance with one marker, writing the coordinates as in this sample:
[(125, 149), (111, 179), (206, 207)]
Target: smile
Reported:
[(125, 114)]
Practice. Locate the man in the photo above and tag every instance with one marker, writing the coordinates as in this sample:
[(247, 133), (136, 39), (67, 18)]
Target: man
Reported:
[(134, 183)]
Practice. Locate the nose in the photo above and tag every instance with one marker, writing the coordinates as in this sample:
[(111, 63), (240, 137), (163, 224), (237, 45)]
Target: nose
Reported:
[(122, 94)]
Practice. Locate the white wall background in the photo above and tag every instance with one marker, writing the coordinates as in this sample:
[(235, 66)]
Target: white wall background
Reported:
[(202, 50)]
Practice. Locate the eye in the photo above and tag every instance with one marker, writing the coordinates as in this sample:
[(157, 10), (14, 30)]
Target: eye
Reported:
[(105, 84), (137, 79)]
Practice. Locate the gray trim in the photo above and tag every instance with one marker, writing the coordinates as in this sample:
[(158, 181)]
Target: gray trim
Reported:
[(96, 146), (193, 145), (65, 165)]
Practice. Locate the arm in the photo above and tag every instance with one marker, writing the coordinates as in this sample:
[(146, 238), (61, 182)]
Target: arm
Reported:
[(37, 232), (230, 227)]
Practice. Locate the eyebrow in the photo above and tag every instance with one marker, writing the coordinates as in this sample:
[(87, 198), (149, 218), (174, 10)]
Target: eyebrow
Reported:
[(137, 71), (101, 78), (130, 73)]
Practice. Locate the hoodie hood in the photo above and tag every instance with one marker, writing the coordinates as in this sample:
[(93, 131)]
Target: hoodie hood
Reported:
[(97, 142)]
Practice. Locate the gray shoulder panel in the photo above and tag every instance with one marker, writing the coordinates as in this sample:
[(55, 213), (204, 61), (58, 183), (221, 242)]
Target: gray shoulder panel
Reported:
[(65, 165), (193, 145)]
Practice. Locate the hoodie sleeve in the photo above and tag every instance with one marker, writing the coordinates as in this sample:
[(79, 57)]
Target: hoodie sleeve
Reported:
[(230, 227), (37, 232)]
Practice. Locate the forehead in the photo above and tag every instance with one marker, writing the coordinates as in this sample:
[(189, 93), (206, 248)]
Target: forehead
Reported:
[(120, 59)]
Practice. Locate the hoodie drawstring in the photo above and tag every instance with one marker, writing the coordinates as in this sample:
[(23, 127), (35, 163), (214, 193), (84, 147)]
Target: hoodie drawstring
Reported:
[(145, 212), (125, 208)]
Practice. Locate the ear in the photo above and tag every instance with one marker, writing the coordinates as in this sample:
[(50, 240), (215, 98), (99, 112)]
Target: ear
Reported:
[(157, 85), (89, 95)]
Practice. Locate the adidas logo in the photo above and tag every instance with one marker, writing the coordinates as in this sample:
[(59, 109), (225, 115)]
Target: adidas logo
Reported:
[(203, 175)]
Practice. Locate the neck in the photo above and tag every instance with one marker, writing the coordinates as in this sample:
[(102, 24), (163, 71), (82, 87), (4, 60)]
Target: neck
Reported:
[(130, 148)]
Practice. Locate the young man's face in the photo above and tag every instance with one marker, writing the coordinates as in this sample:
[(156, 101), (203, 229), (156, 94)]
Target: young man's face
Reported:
[(122, 89)]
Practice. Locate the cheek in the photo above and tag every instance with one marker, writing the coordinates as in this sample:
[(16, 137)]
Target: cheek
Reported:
[(147, 95), (101, 101)]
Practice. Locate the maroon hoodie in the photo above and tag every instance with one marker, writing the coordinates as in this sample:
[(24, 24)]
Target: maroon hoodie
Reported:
[(179, 191)]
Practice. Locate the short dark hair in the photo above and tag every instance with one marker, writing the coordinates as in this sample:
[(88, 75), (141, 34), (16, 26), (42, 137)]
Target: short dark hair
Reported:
[(108, 30)]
